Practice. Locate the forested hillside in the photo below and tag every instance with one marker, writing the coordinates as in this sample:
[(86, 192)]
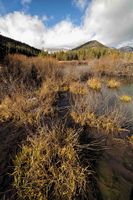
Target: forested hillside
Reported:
[(8, 45)]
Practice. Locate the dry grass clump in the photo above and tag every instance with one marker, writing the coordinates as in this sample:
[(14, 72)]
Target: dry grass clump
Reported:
[(47, 67), (113, 84), (78, 118), (64, 84), (78, 88), (110, 123), (26, 108), (126, 98), (84, 118), (48, 166), (94, 84), (48, 88), (64, 88), (18, 109), (104, 122), (131, 139)]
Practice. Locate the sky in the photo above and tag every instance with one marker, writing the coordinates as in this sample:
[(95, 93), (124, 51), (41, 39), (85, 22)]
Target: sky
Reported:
[(67, 23)]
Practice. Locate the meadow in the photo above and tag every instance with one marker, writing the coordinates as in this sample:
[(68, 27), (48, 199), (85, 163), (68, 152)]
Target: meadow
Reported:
[(66, 128)]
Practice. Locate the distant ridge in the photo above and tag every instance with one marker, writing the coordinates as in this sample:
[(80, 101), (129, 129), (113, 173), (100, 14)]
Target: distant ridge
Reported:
[(8, 45), (126, 49), (90, 44)]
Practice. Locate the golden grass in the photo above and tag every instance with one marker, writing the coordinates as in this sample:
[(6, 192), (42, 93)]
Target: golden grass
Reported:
[(100, 122), (28, 107), (78, 118), (49, 87), (31, 70), (113, 84), (131, 139), (48, 166), (77, 88), (113, 65), (94, 84), (108, 124), (126, 98), (65, 88), (19, 109), (84, 118)]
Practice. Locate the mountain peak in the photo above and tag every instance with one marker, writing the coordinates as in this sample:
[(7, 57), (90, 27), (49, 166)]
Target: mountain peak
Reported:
[(90, 44), (126, 49)]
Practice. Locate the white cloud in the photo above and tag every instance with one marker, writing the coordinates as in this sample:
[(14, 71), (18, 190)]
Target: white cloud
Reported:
[(64, 34), (80, 3), (23, 27), (33, 31), (108, 21), (128, 43)]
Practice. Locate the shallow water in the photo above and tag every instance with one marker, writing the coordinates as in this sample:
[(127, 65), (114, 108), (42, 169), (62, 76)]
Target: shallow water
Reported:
[(127, 89)]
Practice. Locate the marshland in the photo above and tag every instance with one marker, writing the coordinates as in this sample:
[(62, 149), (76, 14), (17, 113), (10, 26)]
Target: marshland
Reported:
[(66, 128)]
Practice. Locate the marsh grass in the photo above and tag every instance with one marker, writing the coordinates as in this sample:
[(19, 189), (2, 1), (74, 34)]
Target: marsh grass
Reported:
[(113, 65), (113, 84), (131, 139), (26, 107), (95, 84), (126, 98), (106, 123), (29, 72), (78, 88), (48, 166), (106, 114)]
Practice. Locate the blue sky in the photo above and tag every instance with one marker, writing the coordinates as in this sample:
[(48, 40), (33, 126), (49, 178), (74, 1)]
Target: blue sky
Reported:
[(67, 23), (55, 10)]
